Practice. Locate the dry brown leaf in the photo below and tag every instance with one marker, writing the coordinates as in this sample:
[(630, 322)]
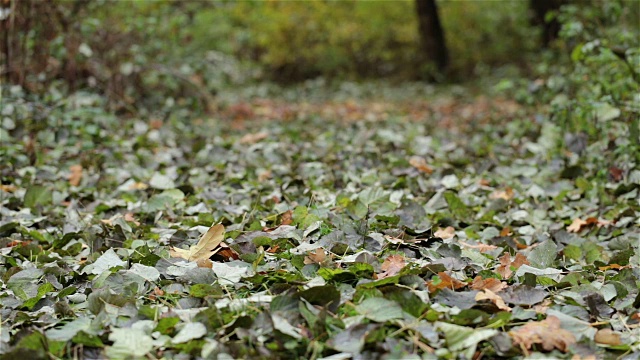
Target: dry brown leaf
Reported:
[(253, 138), (542, 307), (76, 175), (480, 247), (206, 247), (138, 186), (494, 298), (129, 217), (579, 357), (227, 253), (492, 284), (576, 225), (446, 233), (506, 231), (205, 263), (316, 257), (608, 337), (484, 182), (446, 282), (506, 194), (156, 123), (506, 264), (614, 266), (286, 218), (391, 266), (421, 164), (547, 333), (8, 188), (264, 175)]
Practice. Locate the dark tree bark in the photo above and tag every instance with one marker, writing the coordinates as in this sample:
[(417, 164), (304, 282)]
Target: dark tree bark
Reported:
[(433, 43), (550, 29)]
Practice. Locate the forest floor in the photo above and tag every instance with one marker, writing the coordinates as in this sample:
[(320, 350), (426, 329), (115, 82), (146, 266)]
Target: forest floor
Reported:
[(437, 224)]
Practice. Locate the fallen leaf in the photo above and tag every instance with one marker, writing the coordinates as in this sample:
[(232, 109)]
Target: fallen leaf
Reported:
[(542, 307), (446, 233), (155, 123), (506, 231), (492, 284), (264, 175), (547, 333), (614, 266), (421, 164), (391, 266), (616, 173), (494, 298), (205, 263), (206, 247), (576, 225), (138, 186), (484, 182), (480, 247), (8, 188), (227, 253), (129, 217), (253, 138), (608, 337), (445, 281), (506, 194), (76, 175), (315, 257), (286, 218), (507, 266)]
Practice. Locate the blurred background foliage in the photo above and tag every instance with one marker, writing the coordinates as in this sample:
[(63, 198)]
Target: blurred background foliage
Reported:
[(145, 54)]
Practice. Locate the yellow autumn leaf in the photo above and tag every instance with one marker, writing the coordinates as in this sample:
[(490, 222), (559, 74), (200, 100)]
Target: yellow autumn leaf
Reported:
[(207, 246)]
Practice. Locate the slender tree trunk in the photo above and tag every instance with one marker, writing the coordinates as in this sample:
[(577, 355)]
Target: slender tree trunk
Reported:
[(550, 29), (433, 43)]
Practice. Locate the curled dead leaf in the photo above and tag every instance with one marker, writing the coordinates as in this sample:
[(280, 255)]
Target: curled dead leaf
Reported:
[(138, 186), (608, 337), (446, 233), (253, 138), (286, 218), (206, 247), (547, 333), (506, 231), (489, 295), (506, 267), (506, 194), (445, 281), (391, 266), (318, 256), (576, 225), (129, 217), (8, 188), (492, 284), (480, 247), (76, 175), (421, 164)]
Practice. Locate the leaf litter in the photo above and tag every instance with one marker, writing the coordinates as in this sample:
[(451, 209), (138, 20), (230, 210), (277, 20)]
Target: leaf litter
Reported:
[(383, 232)]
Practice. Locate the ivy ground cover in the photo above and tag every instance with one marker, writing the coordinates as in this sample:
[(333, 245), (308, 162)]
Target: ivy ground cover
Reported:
[(458, 227)]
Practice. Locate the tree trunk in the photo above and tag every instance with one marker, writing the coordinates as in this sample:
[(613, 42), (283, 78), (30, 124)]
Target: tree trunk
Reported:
[(550, 29), (433, 43)]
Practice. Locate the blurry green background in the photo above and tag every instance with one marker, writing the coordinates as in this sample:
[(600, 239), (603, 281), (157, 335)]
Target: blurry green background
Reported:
[(141, 52)]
